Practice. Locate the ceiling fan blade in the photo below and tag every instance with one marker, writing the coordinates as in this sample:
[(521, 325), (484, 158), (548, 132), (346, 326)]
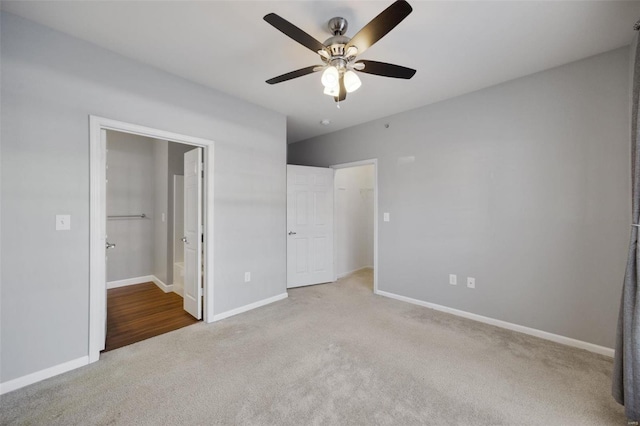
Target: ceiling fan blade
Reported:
[(380, 26), (343, 92), (293, 74), (294, 32), (386, 70)]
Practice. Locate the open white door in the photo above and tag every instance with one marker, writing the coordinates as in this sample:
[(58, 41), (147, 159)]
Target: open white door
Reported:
[(103, 232), (193, 232), (309, 225)]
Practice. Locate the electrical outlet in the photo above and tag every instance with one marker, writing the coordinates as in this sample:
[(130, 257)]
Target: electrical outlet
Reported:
[(247, 277), (471, 282), (385, 217), (453, 279)]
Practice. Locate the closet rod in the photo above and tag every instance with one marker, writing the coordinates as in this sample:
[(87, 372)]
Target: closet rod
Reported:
[(142, 216)]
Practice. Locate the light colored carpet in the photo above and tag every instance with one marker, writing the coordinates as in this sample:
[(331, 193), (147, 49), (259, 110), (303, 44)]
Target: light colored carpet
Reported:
[(330, 354)]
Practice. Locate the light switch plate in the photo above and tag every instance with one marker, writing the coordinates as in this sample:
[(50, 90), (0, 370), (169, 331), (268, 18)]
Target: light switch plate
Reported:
[(385, 217), (63, 222)]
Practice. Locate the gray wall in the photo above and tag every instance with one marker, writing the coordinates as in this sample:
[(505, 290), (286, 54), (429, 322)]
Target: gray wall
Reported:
[(175, 167), (524, 186), (130, 190), (51, 83)]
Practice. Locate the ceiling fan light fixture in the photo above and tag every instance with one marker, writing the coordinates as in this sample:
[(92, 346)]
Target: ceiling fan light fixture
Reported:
[(332, 91), (330, 77), (351, 81)]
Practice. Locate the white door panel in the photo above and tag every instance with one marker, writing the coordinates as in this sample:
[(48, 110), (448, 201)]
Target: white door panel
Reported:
[(192, 232), (309, 225)]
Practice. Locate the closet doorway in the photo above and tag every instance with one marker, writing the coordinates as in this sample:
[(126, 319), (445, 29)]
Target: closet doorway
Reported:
[(356, 222), (145, 280)]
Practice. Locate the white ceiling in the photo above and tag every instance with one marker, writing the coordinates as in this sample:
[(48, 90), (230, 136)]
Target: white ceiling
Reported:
[(457, 47)]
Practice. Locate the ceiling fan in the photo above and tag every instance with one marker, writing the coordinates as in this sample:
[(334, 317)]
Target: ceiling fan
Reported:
[(339, 52)]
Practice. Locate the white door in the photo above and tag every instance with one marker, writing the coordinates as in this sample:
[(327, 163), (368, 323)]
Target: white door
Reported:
[(193, 232), (103, 231), (309, 225)]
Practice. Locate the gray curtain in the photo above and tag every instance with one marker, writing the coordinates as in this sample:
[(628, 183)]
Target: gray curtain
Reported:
[(626, 366)]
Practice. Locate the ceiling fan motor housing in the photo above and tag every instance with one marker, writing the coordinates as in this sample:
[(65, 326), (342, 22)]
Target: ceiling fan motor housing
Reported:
[(338, 25), (336, 44)]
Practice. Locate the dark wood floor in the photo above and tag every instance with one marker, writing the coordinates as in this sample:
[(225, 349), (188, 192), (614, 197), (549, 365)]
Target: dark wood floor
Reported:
[(138, 312)]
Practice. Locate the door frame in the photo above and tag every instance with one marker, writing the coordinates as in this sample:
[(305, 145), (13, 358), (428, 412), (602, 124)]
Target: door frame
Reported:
[(97, 218), (374, 162)]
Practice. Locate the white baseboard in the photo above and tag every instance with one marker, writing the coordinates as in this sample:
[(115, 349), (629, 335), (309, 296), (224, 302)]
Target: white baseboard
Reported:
[(164, 287), (344, 274), (139, 280), (130, 281), (504, 324), (38, 376), (249, 307)]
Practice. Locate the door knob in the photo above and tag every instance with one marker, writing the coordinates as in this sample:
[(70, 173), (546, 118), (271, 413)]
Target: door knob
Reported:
[(184, 240), (110, 245), (292, 233)]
